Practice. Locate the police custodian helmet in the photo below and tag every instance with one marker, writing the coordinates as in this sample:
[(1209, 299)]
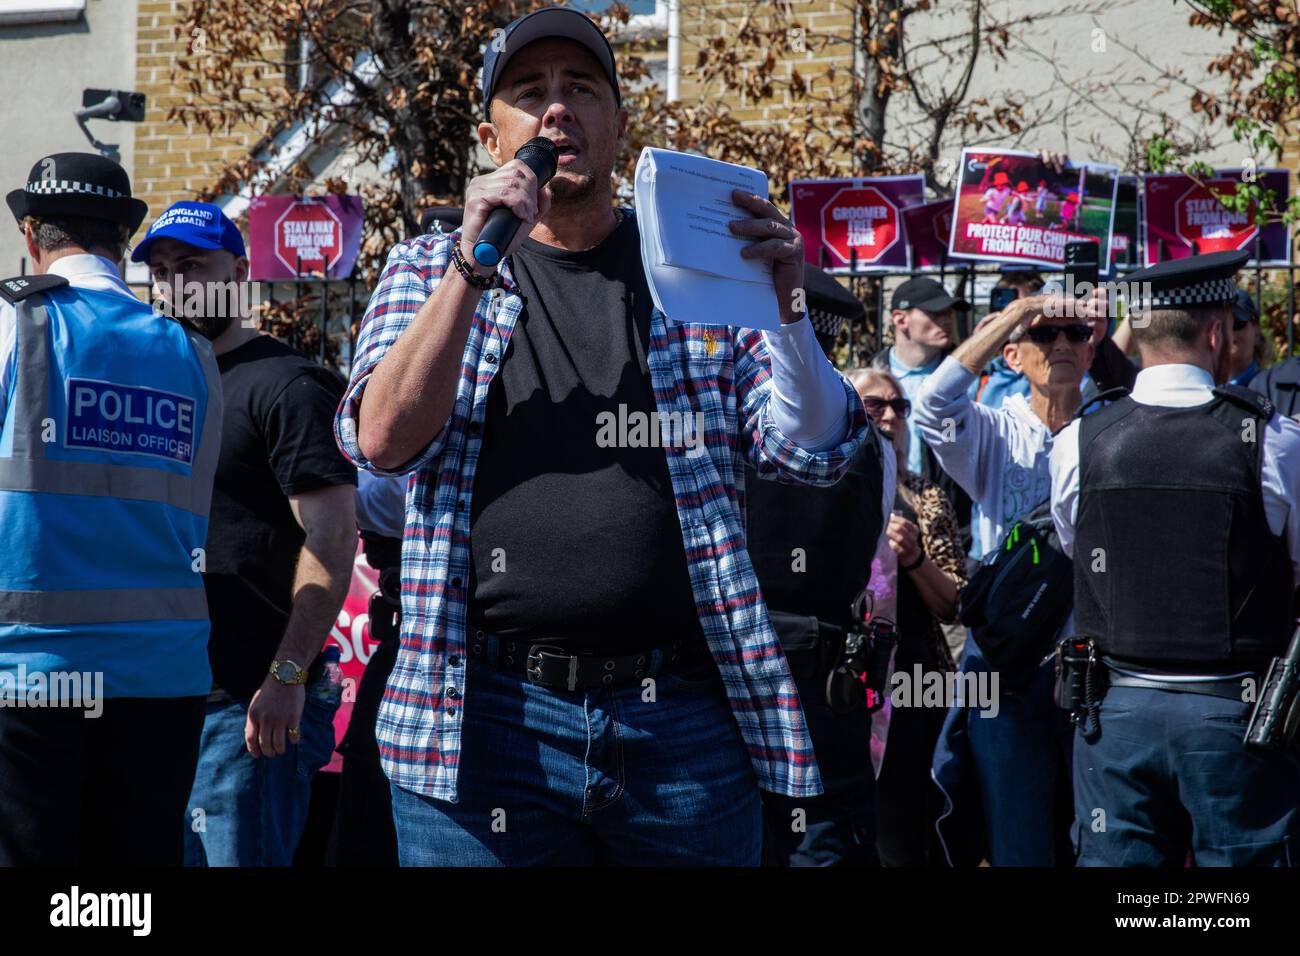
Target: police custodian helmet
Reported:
[(78, 184)]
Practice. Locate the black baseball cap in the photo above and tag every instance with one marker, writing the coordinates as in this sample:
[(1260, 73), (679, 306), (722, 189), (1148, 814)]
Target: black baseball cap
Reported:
[(564, 22), (927, 295)]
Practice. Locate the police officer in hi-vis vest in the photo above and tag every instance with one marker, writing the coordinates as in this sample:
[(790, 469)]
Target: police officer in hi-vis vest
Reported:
[(1180, 504), (111, 429)]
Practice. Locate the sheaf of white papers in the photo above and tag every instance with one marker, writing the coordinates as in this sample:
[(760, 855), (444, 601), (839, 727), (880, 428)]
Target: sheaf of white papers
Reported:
[(692, 261)]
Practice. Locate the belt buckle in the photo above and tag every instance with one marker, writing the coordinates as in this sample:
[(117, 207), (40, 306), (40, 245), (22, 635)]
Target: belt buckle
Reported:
[(534, 669)]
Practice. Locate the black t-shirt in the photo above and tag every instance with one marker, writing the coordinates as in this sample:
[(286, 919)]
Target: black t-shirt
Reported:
[(574, 543), (277, 439)]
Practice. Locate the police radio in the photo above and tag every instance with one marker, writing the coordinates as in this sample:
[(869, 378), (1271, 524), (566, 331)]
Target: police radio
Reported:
[(1276, 715), (858, 682)]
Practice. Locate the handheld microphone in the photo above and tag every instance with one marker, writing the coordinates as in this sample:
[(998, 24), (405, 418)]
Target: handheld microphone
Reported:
[(541, 156)]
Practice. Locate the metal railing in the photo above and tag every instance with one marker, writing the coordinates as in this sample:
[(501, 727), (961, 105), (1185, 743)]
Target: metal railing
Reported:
[(303, 289)]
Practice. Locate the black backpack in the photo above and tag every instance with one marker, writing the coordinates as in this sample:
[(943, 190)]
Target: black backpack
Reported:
[(1020, 598)]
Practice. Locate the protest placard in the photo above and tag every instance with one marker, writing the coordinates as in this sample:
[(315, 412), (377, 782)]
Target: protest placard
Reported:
[(855, 223), (1011, 207), (1181, 211)]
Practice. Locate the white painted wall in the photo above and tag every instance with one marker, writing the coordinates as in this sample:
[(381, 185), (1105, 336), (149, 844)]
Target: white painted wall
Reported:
[(43, 69), (1068, 56)]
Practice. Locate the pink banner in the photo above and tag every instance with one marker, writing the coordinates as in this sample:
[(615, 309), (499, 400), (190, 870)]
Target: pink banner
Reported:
[(1181, 211), (293, 237), (927, 227), (351, 634), (847, 222)]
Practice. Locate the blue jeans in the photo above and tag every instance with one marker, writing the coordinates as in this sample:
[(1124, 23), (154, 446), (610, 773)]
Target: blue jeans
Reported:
[(1168, 773), (1017, 756), (552, 777), (253, 809)]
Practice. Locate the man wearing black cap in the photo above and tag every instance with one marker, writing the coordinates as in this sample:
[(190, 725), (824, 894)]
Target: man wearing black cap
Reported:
[(587, 672), (921, 312), (1179, 503), (812, 551), (111, 433)]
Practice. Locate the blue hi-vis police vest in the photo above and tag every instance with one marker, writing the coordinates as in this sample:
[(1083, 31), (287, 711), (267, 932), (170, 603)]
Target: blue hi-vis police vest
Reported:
[(109, 447)]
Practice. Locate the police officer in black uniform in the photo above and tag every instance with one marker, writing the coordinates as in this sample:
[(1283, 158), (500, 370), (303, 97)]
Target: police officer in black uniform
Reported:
[(812, 550), (1179, 502)]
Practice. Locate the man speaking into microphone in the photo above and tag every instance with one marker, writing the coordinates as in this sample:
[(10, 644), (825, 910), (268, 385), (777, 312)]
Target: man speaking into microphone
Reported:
[(587, 671)]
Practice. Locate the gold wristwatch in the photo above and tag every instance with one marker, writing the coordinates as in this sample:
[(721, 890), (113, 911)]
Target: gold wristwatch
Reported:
[(288, 673)]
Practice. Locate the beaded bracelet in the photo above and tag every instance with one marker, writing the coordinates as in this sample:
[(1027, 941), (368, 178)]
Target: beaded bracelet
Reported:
[(467, 271)]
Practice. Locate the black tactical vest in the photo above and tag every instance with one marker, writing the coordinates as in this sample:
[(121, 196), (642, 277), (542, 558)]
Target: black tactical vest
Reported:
[(835, 529), (1174, 563)]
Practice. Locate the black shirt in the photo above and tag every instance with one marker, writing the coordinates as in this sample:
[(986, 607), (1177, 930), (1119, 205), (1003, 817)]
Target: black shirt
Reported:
[(571, 542), (277, 439)]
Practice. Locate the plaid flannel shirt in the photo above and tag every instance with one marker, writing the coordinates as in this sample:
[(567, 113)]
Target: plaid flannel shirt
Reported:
[(721, 371)]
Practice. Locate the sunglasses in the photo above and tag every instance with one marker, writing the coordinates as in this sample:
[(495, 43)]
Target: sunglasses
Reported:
[(1048, 334), (876, 406)]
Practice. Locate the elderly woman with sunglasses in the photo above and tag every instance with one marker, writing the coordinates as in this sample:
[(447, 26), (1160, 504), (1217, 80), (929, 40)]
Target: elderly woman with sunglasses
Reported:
[(1000, 457)]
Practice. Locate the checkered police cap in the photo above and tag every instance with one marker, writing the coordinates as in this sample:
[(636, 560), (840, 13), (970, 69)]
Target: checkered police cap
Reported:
[(78, 184), (59, 186), (830, 305), (825, 323), (1186, 283)]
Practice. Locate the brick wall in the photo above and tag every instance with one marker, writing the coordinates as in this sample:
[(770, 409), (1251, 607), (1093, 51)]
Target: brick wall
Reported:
[(171, 161), (704, 20)]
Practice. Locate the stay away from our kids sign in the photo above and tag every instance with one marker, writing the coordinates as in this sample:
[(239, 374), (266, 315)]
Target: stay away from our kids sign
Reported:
[(1182, 211), (292, 237)]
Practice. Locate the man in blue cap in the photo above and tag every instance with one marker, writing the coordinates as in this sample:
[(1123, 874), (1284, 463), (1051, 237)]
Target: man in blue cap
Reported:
[(110, 422), (1179, 502), (587, 671), (279, 553)]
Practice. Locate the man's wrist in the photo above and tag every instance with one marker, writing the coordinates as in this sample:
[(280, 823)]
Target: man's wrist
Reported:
[(477, 275), (984, 346), (473, 263), (288, 672)]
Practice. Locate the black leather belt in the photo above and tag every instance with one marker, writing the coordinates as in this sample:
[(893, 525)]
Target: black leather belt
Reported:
[(1228, 688), (551, 666)]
